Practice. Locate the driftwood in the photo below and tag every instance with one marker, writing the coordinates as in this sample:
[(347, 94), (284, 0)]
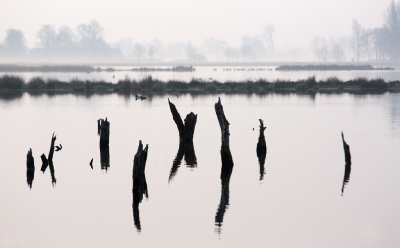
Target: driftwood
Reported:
[(227, 164), (139, 182), (347, 167), (185, 149), (30, 168), (186, 131)]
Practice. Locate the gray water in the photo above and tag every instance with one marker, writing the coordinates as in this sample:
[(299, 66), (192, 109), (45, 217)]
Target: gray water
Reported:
[(298, 203), (216, 73)]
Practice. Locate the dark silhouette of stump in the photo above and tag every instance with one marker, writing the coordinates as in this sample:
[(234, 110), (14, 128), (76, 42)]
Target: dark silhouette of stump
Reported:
[(139, 182), (186, 130), (30, 168), (103, 128), (186, 147), (45, 163), (261, 150), (227, 165), (50, 159), (104, 132), (347, 166)]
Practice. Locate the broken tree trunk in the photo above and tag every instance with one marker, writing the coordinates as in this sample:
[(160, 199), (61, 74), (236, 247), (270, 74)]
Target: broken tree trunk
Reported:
[(139, 182), (226, 156), (104, 132), (30, 168), (347, 166), (261, 146), (50, 159), (346, 148), (186, 131), (104, 157), (227, 164)]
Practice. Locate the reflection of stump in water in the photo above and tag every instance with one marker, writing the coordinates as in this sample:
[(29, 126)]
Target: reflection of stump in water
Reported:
[(261, 149), (105, 158), (185, 149), (139, 182), (103, 129), (227, 165), (186, 132), (30, 168), (45, 163), (347, 169)]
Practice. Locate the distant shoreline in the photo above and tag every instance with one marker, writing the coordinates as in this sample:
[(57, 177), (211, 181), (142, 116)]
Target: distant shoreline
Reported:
[(148, 85), (333, 67)]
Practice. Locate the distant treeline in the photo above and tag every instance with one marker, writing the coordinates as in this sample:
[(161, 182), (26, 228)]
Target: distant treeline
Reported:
[(77, 68), (149, 85), (329, 68)]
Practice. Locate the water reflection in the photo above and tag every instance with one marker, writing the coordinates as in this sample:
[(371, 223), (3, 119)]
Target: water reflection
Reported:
[(185, 149), (347, 170), (30, 168), (105, 158), (261, 149), (139, 182)]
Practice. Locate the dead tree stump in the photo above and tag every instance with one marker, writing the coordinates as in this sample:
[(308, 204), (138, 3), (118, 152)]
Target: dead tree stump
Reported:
[(227, 164), (261, 146), (139, 182), (186, 131), (346, 148), (50, 159), (104, 132), (261, 149), (30, 168), (347, 166)]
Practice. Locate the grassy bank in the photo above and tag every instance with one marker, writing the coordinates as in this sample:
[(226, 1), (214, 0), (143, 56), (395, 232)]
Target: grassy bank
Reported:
[(149, 85)]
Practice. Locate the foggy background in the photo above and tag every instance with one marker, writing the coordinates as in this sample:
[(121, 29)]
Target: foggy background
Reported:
[(199, 31)]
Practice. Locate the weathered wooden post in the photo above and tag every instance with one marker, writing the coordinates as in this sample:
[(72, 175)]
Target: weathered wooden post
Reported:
[(30, 168), (347, 167), (103, 128), (186, 147), (227, 164), (261, 149), (139, 182)]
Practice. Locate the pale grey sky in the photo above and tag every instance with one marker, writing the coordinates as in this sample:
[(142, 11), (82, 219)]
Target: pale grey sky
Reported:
[(296, 22)]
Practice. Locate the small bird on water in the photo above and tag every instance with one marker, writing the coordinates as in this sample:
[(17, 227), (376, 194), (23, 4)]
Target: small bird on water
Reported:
[(58, 148), (91, 163)]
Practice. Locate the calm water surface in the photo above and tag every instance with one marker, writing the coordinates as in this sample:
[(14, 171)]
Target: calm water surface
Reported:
[(297, 204)]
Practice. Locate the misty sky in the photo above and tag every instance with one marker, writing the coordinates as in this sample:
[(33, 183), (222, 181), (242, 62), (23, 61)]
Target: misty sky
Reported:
[(296, 22)]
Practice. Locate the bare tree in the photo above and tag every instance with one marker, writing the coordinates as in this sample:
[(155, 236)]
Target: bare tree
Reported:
[(392, 25), (15, 41), (138, 51), (151, 51), (357, 39), (65, 38), (91, 35), (268, 36), (320, 48), (47, 36), (337, 52)]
